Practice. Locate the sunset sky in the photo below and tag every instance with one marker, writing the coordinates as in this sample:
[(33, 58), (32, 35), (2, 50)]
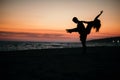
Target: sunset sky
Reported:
[(46, 20)]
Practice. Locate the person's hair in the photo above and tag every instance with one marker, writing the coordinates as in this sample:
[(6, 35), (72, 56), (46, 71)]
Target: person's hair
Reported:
[(97, 24), (75, 19)]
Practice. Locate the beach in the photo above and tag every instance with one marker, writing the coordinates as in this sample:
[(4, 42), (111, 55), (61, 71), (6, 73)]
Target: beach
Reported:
[(61, 64)]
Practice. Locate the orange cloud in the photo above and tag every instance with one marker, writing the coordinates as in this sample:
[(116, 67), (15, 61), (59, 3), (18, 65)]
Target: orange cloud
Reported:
[(4, 35)]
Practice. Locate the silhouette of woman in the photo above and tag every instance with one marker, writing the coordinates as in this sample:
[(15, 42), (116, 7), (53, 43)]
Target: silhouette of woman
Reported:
[(95, 24), (85, 31)]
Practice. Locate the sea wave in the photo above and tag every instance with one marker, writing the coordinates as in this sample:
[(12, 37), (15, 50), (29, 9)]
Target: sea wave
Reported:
[(18, 45)]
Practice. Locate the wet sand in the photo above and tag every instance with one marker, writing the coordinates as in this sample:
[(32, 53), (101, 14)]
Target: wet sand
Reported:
[(61, 64)]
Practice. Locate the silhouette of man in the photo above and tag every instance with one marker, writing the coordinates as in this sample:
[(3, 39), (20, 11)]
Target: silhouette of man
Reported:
[(80, 29)]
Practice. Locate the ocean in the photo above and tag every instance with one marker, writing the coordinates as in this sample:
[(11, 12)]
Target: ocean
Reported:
[(27, 45)]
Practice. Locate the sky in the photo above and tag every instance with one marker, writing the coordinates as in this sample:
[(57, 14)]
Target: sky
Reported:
[(47, 20)]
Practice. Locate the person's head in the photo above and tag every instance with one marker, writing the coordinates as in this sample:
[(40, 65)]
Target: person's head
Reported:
[(97, 24), (75, 19)]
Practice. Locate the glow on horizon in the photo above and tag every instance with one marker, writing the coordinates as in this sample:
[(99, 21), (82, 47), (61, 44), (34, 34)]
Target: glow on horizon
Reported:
[(40, 17)]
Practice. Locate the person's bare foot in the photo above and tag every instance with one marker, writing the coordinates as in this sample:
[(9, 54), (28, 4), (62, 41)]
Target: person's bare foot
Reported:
[(69, 31)]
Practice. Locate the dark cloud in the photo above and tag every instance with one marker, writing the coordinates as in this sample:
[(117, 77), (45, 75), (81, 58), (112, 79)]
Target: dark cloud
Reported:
[(32, 35)]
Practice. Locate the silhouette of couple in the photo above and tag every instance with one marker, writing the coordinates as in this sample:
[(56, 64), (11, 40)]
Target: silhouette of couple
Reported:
[(85, 31)]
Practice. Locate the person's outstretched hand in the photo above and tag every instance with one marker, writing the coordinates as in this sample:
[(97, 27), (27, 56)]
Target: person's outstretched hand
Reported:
[(101, 12)]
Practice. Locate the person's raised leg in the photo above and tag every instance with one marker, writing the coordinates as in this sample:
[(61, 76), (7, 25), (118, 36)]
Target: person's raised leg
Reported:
[(72, 30)]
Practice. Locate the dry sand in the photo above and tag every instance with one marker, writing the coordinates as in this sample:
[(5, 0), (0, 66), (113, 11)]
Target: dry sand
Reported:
[(61, 64)]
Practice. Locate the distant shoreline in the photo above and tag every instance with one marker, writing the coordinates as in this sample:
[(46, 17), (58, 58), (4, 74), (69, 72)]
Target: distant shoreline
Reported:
[(99, 49), (99, 39)]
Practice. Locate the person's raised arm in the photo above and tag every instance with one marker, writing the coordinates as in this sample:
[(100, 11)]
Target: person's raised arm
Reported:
[(98, 15)]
